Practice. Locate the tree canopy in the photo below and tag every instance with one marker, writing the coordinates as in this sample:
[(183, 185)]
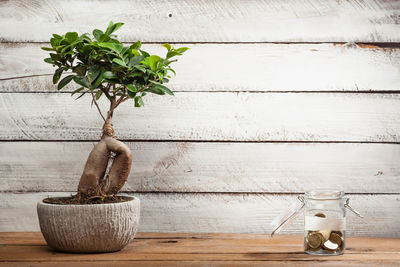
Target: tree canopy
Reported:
[(102, 65)]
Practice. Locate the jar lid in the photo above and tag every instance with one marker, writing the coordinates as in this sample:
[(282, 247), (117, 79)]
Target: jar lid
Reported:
[(324, 194)]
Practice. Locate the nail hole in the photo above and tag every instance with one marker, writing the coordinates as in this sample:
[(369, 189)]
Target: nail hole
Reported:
[(170, 15)]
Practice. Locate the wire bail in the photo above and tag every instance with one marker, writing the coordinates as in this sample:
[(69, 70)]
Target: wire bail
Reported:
[(347, 206), (288, 215)]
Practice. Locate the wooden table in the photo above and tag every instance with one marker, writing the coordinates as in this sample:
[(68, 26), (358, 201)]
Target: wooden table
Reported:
[(172, 249)]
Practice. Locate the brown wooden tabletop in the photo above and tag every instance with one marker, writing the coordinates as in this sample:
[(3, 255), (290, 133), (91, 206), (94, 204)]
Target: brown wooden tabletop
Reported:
[(175, 249)]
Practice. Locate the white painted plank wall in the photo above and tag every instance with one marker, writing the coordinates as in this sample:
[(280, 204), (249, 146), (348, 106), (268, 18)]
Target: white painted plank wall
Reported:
[(210, 167), (236, 67), (207, 20), (207, 116), (237, 213), (241, 89)]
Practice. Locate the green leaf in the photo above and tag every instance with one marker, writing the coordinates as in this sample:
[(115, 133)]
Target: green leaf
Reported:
[(168, 46), (136, 45), (109, 28), (85, 36), (80, 96), (64, 81), (108, 45), (117, 26), (182, 49), (77, 90), (81, 80), (172, 54), (155, 90), (109, 75), (131, 88), (162, 87), (153, 60), (119, 62), (80, 70), (165, 89), (96, 83), (98, 94), (48, 49), (57, 75), (113, 46), (104, 38), (171, 70), (113, 27), (97, 34), (71, 36), (144, 53), (138, 101), (140, 68), (94, 72), (55, 41), (49, 60), (131, 94), (135, 60), (135, 52)]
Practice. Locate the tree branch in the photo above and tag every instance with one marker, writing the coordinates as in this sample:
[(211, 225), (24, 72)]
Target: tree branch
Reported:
[(94, 98), (105, 91)]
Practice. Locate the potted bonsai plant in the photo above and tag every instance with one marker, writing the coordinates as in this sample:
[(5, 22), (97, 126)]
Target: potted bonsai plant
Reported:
[(96, 219)]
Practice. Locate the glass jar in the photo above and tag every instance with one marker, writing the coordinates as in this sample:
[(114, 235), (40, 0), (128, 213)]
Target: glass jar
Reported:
[(324, 222)]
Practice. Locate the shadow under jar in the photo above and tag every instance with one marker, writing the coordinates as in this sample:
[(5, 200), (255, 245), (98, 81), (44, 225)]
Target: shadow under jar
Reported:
[(324, 222)]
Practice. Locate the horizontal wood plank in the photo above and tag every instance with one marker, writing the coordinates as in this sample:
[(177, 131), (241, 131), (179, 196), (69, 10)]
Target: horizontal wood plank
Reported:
[(212, 251), (202, 263), (158, 241), (207, 116), (210, 167), (235, 67), (207, 21), (235, 213)]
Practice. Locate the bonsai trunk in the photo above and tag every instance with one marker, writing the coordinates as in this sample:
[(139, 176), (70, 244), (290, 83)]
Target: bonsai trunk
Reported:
[(95, 182)]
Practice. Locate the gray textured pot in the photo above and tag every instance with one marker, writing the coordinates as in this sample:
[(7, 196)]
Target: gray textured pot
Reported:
[(89, 228)]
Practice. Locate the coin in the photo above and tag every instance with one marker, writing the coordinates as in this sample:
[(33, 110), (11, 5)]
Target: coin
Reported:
[(320, 214), (325, 234), (314, 240), (335, 238), (329, 245), (338, 233)]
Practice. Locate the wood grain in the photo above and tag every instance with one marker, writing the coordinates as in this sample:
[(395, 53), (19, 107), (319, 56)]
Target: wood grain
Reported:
[(207, 20), (212, 251), (231, 213), (208, 116), (202, 263), (210, 167), (236, 67)]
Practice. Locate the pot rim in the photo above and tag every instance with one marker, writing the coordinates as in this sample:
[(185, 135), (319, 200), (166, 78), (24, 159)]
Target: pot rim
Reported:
[(132, 199)]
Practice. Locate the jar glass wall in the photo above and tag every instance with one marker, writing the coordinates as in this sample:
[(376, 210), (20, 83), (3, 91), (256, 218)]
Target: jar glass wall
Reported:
[(324, 222)]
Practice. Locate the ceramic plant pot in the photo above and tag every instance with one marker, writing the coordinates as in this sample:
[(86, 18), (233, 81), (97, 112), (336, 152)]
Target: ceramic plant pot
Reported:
[(89, 228)]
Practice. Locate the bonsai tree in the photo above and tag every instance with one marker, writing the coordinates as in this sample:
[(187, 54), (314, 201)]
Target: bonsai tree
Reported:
[(104, 67)]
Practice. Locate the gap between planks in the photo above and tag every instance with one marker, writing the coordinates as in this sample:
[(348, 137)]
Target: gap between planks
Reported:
[(227, 193), (199, 141), (361, 44)]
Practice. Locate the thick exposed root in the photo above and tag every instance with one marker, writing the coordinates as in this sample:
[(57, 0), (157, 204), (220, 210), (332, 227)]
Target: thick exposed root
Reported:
[(93, 181)]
